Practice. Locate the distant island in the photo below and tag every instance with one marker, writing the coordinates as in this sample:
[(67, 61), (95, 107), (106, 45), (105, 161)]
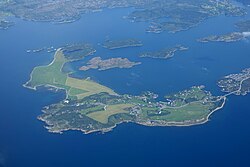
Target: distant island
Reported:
[(4, 25), (243, 32), (171, 16), (231, 37), (182, 15), (171, 27), (117, 44), (243, 26), (98, 63), (164, 53), (46, 49), (92, 107)]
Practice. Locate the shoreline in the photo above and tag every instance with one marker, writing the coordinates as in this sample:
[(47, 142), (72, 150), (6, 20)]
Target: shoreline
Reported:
[(153, 123)]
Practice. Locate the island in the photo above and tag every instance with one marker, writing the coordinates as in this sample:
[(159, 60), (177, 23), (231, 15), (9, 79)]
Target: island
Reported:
[(80, 49), (243, 26), (165, 53), (169, 15), (243, 32), (98, 63), (238, 84), (231, 37), (4, 25), (91, 107), (170, 26), (174, 16), (47, 49), (117, 44)]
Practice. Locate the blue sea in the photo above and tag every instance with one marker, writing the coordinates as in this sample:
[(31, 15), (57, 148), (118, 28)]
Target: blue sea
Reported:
[(223, 141)]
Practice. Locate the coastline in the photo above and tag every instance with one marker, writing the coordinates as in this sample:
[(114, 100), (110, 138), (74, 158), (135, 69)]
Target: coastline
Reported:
[(149, 123)]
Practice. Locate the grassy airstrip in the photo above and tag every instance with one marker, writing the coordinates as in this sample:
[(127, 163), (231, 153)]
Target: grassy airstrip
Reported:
[(52, 75)]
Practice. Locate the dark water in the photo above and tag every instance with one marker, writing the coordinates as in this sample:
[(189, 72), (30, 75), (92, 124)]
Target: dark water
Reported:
[(224, 141)]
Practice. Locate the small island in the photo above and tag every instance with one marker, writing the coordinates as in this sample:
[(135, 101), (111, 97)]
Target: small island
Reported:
[(165, 53), (98, 63), (4, 25), (231, 37), (243, 26), (171, 27), (77, 51), (46, 49), (117, 44), (238, 84)]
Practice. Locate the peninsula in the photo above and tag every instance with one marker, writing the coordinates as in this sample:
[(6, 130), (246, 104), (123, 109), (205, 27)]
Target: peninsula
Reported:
[(98, 63)]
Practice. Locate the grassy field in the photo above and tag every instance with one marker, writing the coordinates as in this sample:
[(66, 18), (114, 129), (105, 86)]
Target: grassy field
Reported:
[(191, 111), (103, 116), (74, 91), (93, 109), (53, 76), (50, 74)]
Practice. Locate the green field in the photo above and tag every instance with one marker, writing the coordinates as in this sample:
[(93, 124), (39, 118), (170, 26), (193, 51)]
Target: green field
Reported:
[(52, 75), (103, 116), (191, 111)]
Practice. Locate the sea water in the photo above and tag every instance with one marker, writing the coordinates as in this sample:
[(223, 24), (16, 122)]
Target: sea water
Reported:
[(24, 142)]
